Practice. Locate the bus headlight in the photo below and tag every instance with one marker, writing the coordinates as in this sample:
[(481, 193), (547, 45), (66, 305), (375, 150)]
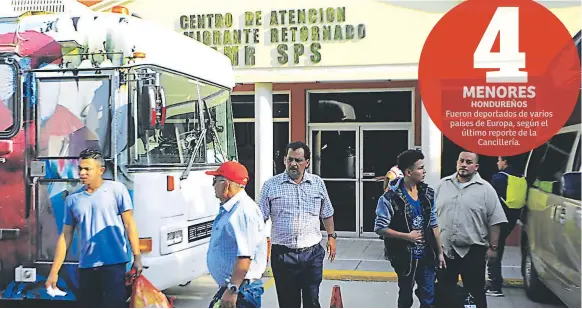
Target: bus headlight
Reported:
[(174, 238)]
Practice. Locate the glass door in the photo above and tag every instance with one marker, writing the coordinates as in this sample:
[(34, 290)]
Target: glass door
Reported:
[(378, 148), (334, 159)]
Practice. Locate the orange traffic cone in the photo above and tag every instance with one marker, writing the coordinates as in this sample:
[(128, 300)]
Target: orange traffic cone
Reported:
[(336, 298)]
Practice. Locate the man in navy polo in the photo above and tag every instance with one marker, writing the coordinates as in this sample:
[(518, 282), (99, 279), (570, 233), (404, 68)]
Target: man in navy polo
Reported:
[(237, 255)]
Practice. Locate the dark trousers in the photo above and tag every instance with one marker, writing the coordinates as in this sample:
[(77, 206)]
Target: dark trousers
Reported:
[(103, 287), (472, 271), (424, 273), (494, 266), (297, 274)]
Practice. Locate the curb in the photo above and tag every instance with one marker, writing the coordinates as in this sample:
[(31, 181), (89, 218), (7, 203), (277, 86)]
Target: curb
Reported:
[(379, 276)]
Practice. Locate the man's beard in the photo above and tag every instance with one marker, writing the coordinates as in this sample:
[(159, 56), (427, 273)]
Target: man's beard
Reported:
[(466, 174), (294, 173)]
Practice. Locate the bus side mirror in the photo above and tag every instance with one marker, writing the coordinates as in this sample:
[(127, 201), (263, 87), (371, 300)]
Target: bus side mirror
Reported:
[(152, 107)]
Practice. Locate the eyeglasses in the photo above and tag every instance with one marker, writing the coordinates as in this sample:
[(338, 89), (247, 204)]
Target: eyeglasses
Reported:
[(298, 160), (217, 179)]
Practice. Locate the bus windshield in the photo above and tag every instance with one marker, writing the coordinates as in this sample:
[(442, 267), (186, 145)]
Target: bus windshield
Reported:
[(198, 123), (8, 106)]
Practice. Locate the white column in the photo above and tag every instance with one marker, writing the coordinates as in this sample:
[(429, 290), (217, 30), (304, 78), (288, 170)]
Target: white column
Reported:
[(263, 135), (431, 148)]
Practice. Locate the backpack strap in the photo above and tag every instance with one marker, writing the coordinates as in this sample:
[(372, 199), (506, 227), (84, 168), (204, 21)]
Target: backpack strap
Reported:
[(506, 174)]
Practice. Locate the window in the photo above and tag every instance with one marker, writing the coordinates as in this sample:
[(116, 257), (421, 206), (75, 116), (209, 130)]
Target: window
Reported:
[(9, 26), (381, 106), (73, 114), (244, 106), (244, 117), (232, 150), (555, 161), (217, 101), (533, 166), (197, 113), (577, 162), (8, 99)]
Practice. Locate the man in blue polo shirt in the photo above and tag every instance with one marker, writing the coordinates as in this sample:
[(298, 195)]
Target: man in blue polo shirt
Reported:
[(237, 255), (102, 210)]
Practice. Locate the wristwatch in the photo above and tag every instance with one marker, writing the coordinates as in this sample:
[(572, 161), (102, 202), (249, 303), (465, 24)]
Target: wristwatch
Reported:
[(493, 247), (334, 235), (232, 288)]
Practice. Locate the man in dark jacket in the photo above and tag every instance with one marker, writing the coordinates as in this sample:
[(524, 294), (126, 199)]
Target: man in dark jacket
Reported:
[(512, 198), (406, 218)]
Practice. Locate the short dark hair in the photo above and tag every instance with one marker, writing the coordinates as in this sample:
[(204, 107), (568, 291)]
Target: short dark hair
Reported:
[(408, 158), (90, 153), (509, 159), (296, 145), (476, 155)]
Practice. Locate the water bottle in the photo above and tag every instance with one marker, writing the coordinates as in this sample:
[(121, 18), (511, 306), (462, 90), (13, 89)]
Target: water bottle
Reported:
[(470, 302)]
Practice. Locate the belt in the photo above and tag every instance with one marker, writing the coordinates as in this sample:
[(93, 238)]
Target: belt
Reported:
[(285, 248)]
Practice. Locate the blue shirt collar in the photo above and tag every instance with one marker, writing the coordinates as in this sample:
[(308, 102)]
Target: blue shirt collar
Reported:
[(233, 200)]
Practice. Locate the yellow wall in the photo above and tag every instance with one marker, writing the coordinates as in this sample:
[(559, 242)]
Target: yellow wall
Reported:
[(571, 18), (394, 35)]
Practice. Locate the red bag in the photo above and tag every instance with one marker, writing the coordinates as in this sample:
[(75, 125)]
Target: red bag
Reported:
[(145, 295)]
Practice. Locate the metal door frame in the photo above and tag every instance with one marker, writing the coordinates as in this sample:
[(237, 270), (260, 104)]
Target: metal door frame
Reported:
[(341, 127), (360, 152), (359, 129)]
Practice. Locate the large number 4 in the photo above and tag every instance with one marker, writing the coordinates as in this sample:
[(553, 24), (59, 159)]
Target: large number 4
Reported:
[(508, 60)]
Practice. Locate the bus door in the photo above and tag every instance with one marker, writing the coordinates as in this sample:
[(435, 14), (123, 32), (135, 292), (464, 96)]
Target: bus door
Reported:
[(73, 113)]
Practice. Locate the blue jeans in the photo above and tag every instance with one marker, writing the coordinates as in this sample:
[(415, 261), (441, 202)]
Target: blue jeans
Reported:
[(424, 273), (249, 295)]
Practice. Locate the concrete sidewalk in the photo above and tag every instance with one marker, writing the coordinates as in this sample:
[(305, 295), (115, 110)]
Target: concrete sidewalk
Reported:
[(363, 260)]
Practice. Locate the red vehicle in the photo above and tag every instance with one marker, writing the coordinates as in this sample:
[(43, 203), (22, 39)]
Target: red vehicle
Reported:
[(18, 225), (107, 81)]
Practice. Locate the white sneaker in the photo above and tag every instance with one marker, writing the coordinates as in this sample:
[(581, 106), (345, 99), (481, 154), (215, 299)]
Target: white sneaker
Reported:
[(494, 293)]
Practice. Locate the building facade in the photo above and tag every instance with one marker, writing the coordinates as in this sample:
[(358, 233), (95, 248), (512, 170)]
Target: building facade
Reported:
[(340, 75)]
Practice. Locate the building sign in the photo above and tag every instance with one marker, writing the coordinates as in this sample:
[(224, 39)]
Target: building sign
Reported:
[(297, 36)]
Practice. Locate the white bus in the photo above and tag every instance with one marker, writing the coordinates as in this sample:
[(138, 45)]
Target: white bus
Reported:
[(155, 102)]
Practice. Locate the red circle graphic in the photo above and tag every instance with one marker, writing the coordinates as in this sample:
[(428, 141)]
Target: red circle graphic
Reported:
[(499, 77)]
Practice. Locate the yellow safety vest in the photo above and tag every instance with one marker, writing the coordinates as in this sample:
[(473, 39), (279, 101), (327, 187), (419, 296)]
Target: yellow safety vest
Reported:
[(516, 194)]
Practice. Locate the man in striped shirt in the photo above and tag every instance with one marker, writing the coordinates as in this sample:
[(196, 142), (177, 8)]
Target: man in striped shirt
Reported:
[(296, 201)]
